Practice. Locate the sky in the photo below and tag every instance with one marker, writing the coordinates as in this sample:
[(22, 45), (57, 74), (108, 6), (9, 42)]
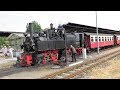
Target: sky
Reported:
[(16, 21)]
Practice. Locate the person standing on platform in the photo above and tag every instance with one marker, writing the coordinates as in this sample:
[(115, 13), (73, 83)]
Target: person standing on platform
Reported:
[(11, 51), (5, 50), (73, 50)]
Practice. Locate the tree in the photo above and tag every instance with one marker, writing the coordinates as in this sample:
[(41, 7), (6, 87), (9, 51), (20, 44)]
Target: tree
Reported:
[(36, 27), (4, 41)]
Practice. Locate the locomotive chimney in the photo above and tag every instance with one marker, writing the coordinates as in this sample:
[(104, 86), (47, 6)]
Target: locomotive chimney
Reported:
[(51, 26), (31, 29)]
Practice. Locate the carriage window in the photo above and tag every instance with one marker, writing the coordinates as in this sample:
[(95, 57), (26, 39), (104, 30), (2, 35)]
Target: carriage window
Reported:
[(95, 38), (108, 38), (99, 39), (105, 38), (102, 38), (91, 39)]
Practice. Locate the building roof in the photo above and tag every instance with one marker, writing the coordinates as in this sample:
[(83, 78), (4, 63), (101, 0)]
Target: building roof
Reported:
[(6, 33), (19, 34), (71, 27), (15, 35)]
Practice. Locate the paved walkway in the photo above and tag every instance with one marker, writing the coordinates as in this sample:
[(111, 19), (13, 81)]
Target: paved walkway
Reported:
[(7, 60)]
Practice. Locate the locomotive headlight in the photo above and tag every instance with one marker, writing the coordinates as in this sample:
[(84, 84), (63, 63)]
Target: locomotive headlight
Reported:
[(28, 35), (55, 30)]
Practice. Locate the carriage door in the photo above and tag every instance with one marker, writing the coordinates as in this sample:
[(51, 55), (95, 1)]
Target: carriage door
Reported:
[(115, 40), (81, 40)]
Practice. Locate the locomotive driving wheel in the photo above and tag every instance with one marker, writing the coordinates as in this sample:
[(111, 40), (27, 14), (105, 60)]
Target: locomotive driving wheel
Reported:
[(54, 57)]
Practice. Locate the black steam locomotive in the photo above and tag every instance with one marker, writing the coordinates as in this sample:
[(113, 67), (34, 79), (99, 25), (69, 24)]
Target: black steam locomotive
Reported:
[(47, 46)]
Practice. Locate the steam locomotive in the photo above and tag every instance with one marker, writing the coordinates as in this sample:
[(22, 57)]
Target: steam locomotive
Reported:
[(47, 46), (53, 45)]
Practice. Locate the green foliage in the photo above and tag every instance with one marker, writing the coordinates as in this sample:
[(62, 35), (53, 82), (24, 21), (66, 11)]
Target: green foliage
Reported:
[(36, 27), (4, 41)]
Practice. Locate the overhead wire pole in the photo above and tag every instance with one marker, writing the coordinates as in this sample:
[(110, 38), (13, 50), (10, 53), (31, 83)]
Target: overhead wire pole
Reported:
[(97, 34)]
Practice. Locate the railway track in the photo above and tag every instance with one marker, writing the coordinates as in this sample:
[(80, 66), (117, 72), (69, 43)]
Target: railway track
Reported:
[(74, 71)]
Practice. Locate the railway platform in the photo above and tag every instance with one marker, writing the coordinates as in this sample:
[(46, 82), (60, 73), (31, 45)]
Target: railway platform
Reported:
[(3, 60), (6, 63)]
